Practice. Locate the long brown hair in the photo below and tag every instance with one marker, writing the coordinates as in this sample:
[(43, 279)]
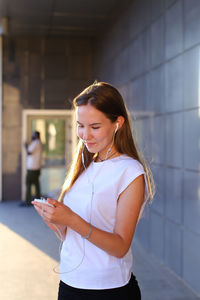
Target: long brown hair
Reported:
[(108, 100)]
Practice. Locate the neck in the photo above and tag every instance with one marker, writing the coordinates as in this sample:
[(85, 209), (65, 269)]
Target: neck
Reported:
[(112, 154), (107, 152)]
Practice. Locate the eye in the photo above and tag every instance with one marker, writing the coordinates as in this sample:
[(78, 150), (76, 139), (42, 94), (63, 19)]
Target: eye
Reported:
[(80, 126), (95, 127)]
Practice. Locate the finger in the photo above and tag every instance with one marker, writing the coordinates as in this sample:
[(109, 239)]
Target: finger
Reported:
[(42, 206), (37, 204), (39, 210), (53, 202)]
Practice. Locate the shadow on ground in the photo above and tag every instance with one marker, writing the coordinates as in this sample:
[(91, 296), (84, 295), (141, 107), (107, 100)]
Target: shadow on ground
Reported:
[(25, 222)]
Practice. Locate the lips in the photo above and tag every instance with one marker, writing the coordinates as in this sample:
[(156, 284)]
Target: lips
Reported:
[(90, 144)]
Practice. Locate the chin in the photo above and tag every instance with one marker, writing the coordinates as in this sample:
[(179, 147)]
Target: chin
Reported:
[(95, 148), (91, 149)]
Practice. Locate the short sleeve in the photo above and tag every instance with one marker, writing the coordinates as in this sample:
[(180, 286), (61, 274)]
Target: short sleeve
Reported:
[(131, 172)]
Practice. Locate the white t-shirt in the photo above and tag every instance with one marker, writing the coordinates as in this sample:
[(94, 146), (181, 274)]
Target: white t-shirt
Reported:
[(34, 159), (84, 265)]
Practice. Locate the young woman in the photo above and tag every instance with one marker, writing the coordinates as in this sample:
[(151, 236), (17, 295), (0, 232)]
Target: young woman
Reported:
[(101, 201)]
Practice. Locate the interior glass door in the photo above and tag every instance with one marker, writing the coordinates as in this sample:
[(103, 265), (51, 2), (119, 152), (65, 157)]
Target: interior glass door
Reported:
[(53, 132)]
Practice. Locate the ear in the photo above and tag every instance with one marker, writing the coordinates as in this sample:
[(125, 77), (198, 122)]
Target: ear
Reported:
[(120, 121)]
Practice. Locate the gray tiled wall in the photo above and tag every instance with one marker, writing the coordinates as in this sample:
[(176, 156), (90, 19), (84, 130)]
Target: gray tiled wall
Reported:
[(155, 65)]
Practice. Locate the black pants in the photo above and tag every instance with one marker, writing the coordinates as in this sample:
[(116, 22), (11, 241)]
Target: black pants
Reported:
[(32, 178), (130, 291)]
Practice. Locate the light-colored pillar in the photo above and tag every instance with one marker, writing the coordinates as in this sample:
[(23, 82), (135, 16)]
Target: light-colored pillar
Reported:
[(1, 93)]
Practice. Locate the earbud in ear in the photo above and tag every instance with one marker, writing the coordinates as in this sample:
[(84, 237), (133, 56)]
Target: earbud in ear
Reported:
[(117, 126)]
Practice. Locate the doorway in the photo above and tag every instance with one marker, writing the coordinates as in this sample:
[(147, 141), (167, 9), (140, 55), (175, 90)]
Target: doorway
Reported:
[(58, 136)]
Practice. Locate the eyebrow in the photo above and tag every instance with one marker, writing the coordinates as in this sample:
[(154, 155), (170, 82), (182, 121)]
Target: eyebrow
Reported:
[(92, 124)]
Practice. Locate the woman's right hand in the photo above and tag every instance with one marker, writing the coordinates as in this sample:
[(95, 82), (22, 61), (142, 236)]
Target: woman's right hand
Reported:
[(59, 229)]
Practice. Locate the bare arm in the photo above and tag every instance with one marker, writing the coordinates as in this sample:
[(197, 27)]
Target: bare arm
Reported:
[(129, 205), (128, 209)]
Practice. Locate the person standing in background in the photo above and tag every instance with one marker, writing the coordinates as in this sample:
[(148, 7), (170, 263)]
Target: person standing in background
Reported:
[(33, 165)]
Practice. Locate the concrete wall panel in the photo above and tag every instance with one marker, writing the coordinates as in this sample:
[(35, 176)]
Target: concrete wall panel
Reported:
[(191, 74), (174, 195), (159, 204), (191, 198), (191, 259), (174, 140), (140, 16), (174, 85), (158, 140), (174, 30), (173, 250), (157, 235), (156, 89), (157, 8), (157, 41), (191, 23), (191, 123)]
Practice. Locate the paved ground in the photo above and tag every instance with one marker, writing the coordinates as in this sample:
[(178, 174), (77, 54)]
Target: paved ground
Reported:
[(29, 252)]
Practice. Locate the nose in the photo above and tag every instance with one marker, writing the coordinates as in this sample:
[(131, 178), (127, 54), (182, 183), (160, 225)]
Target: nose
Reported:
[(86, 134)]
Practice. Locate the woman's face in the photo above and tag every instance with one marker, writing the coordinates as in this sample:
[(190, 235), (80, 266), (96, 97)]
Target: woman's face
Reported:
[(94, 128)]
